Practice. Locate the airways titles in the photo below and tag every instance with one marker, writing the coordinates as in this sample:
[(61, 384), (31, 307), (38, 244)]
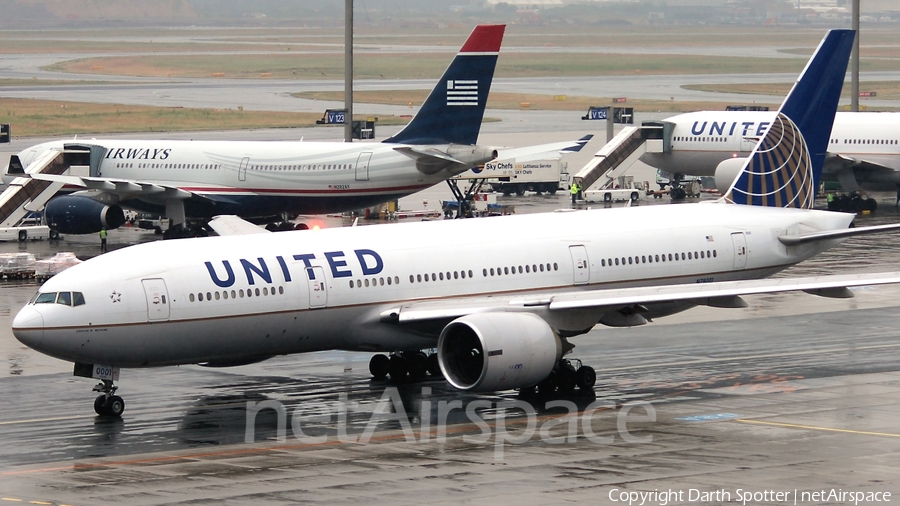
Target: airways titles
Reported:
[(368, 261), (732, 128)]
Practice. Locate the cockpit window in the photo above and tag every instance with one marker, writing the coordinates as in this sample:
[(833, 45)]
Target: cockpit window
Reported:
[(64, 298), (46, 298)]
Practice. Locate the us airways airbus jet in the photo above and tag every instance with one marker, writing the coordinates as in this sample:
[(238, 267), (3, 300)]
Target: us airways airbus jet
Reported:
[(863, 149), (500, 311), (200, 179)]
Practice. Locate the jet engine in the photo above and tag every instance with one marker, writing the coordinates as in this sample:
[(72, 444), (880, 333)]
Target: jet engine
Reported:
[(73, 214), (485, 352), (727, 171)]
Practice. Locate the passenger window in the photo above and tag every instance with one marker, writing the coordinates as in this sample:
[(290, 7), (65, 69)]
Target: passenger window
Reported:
[(280, 290), (65, 298), (191, 297), (200, 296)]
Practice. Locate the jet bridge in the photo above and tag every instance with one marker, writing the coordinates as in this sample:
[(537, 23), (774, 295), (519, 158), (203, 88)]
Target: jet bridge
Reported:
[(620, 153), (24, 194)]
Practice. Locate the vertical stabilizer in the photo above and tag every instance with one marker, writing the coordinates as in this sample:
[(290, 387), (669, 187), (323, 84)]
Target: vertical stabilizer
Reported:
[(453, 111), (785, 167)]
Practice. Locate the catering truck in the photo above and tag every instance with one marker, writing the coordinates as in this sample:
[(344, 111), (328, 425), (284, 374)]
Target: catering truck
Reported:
[(509, 176)]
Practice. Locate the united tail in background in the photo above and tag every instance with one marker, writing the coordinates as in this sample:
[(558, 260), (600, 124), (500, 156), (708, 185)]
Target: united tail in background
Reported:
[(785, 167), (453, 111)]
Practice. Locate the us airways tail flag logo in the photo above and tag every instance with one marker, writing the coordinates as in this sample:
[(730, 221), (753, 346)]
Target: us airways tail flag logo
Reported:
[(454, 109), (462, 92), (779, 173)]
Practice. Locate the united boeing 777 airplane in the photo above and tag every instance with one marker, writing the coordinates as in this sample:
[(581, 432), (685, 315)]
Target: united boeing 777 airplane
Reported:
[(500, 310)]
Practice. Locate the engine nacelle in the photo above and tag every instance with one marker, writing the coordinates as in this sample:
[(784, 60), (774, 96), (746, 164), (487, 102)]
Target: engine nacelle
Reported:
[(485, 352), (727, 171), (473, 154), (72, 214)]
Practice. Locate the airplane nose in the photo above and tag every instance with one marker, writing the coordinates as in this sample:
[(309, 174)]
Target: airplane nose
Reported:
[(28, 327)]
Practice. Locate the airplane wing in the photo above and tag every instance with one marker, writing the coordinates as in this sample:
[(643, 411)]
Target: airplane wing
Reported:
[(233, 225), (541, 151), (126, 188), (597, 302)]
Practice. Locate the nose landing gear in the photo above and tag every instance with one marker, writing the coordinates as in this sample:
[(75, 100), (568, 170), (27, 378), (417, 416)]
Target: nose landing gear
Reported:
[(107, 403)]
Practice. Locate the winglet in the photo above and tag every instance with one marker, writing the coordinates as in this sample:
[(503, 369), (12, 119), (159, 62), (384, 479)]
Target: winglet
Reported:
[(785, 167), (453, 111)]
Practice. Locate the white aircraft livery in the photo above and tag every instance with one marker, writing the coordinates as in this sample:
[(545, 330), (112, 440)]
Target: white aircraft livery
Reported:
[(200, 179), (863, 149), (500, 310)]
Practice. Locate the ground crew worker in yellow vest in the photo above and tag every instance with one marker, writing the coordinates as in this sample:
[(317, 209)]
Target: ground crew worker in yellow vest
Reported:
[(103, 240), (575, 189)]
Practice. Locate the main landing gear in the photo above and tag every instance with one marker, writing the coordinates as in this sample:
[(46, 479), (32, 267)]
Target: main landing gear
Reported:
[(107, 403), (566, 377), (414, 365)]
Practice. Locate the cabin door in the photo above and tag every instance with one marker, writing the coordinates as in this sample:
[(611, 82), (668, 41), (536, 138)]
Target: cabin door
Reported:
[(242, 170), (157, 299), (740, 250), (318, 295), (581, 267), (362, 166)]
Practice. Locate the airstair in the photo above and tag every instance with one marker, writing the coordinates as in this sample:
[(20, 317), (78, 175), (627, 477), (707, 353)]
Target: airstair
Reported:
[(24, 194), (619, 154)]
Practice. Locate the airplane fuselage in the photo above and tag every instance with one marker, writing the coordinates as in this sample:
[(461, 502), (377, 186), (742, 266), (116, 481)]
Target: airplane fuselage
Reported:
[(259, 178), (700, 140), (223, 299)]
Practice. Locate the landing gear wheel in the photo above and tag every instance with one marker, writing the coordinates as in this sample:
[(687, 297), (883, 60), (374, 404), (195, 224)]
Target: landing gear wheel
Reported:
[(417, 364), (585, 377), (100, 405), (547, 385), (379, 366), (566, 377), (115, 406), (397, 368), (434, 368)]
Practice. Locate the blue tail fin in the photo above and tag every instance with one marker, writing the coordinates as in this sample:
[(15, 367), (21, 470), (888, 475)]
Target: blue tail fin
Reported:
[(785, 167), (453, 111)]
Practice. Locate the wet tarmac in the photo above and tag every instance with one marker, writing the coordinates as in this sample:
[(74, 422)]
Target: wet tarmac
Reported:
[(795, 394)]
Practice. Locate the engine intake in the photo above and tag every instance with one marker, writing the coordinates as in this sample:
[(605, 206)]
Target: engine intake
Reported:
[(485, 352), (72, 214)]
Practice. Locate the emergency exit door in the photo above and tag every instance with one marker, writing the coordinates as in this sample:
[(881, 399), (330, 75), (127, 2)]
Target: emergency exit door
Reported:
[(157, 299)]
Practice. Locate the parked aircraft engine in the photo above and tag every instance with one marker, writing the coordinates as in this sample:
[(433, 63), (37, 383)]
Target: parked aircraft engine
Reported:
[(72, 214), (486, 352), (727, 171)]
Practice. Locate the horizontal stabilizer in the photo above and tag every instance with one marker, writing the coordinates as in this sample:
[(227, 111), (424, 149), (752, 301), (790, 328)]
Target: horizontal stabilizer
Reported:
[(542, 151), (794, 240)]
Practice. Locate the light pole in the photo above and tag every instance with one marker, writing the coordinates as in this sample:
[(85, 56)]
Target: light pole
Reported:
[(854, 60), (348, 70)]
